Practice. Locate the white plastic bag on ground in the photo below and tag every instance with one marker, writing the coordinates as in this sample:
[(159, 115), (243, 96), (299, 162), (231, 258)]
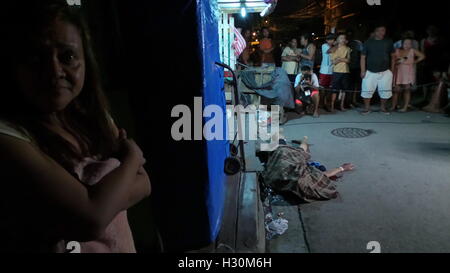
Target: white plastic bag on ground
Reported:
[(276, 227)]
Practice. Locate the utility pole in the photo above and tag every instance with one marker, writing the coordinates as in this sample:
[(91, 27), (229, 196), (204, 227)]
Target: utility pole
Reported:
[(333, 12)]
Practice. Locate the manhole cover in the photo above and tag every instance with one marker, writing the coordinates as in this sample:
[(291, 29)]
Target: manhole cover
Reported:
[(351, 133)]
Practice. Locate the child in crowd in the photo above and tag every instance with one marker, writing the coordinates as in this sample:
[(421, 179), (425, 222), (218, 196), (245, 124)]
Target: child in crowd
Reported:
[(340, 56), (267, 48), (326, 68)]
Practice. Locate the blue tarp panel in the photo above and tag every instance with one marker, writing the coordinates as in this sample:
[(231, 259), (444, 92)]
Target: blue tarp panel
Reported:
[(213, 94)]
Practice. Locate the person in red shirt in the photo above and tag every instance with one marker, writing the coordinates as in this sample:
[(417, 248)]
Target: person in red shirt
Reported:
[(266, 48)]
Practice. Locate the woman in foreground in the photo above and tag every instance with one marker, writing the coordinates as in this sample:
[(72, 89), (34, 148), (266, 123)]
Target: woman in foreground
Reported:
[(67, 172)]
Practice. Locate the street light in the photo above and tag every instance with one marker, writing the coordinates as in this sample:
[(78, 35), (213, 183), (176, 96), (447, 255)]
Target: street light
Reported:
[(243, 12)]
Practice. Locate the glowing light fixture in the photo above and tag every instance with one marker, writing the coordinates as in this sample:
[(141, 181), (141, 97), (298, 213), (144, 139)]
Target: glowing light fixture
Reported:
[(243, 12)]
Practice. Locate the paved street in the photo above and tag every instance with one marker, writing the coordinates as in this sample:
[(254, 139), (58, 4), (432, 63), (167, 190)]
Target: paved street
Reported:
[(399, 195)]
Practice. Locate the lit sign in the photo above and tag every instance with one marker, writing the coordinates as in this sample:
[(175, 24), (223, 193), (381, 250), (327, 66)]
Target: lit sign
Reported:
[(74, 2)]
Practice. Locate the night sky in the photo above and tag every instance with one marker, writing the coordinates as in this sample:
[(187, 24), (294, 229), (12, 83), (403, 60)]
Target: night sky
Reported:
[(398, 15)]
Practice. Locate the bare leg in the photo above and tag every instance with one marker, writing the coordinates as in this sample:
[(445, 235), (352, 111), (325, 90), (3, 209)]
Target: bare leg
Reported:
[(325, 100), (354, 99), (355, 96), (366, 106), (316, 101), (305, 145), (333, 102), (383, 106), (395, 97), (344, 94), (407, 99), (434, 106)]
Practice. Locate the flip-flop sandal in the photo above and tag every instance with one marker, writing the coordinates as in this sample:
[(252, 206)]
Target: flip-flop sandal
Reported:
[(365, 113)]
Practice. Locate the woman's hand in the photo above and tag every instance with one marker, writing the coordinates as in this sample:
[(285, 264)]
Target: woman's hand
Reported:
[(363, 74), (130, 149), (347, 167), (142, 187)]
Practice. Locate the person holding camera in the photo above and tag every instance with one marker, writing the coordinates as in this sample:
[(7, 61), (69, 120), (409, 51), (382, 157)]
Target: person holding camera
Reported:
[(307, 91)]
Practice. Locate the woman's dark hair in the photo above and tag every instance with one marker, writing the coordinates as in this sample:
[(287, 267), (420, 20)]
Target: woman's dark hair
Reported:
[(305, 68), (379, 25), (407, 39), (262, 34), (306, 36), (330, 36), (87, 117), (341, 34), (307, 77)]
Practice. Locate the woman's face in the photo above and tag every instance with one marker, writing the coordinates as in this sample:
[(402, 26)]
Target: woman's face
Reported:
[(342, 39), (293, 43), (52, 69), (303, 41), (407, 44)]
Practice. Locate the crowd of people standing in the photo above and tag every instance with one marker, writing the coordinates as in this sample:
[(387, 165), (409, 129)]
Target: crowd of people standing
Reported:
[(334, 74)]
